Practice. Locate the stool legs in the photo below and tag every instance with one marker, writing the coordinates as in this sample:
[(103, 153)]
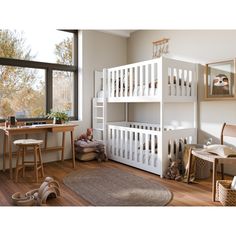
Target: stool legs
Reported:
[(17, 164), (40, 161), (23, 161), (22, 165), (37, 162)]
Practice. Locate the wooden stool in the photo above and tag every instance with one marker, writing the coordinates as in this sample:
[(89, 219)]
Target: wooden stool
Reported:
[(22, 145)]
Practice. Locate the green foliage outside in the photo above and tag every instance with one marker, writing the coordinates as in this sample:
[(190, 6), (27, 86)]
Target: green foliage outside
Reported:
[(22, 90)]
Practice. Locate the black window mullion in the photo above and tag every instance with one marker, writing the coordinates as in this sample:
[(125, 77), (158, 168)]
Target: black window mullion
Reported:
[(76, 82), (49, 90), (75, 50), (76, 97), (35, 64)]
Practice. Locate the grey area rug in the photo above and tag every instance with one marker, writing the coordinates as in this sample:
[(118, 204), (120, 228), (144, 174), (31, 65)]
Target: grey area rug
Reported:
[(114, 187)]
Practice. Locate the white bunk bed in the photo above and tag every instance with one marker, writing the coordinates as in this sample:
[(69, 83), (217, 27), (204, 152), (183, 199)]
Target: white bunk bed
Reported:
[(142, 145)]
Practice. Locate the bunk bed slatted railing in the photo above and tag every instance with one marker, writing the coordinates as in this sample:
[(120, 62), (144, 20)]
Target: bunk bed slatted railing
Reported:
[(140, 145), (142, 80), (132, 80), (139, 125), (133, 146), (181, 79), (179, 82)]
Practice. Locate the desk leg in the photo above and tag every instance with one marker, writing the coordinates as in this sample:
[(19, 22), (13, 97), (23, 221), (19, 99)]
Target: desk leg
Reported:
[(46, 140), (63, 146), (72, 147), (214, 179), (4, 152), (10, 154)]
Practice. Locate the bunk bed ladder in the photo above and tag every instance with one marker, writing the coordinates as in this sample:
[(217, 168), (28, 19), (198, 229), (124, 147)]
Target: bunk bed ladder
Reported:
[(99, 109)]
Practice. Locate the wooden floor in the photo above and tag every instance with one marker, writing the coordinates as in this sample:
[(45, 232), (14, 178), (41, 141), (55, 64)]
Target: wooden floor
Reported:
[(197, 194)]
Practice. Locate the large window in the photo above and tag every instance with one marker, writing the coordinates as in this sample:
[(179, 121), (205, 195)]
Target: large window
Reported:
[(53, 46), (22, 92), (63, 95), (30, 84)]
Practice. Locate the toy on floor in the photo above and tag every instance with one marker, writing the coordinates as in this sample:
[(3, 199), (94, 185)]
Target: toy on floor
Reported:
[(49, 189), (101, 155), (20, 199), (173, 171), (88, 136)]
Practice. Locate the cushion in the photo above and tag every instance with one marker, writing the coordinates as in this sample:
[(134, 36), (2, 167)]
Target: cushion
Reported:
[(89, 144), (82, 146), (221, 150)]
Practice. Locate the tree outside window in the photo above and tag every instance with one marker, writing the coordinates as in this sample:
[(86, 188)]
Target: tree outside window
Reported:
[(22, 89)]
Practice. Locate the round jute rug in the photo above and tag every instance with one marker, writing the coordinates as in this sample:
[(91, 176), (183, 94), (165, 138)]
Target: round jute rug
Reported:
[(114, 187)]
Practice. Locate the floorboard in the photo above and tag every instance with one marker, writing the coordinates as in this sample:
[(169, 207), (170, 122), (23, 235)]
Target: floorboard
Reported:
[(197, 194)]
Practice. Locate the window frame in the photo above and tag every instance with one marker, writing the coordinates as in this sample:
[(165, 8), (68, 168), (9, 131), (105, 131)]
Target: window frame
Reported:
[(49, 67)]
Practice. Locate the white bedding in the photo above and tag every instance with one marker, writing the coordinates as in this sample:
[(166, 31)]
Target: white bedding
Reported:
[(146, 91), (173, 90)]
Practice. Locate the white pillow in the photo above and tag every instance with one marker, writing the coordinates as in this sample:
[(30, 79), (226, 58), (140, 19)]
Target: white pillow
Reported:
[(221, 150)]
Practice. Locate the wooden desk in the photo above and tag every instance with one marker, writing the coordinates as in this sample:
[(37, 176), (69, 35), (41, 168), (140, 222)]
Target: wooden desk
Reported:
[(9, 132)]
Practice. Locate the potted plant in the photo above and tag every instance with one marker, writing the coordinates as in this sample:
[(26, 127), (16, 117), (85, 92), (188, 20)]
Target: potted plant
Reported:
[(59, 117)]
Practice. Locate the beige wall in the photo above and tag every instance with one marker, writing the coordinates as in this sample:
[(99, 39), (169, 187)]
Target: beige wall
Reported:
[(199, 46), (97, 50), (100, 50)]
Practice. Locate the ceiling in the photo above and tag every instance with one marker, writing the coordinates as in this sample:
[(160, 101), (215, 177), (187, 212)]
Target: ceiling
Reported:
[(123, 33)]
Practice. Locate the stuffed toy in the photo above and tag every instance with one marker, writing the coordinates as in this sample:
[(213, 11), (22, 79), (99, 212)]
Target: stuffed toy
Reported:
[(88, 137), (101, 156), (173, 171)]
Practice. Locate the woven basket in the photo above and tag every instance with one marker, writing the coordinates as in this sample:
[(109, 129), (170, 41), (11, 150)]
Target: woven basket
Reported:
[(224, 193), (202, 169)]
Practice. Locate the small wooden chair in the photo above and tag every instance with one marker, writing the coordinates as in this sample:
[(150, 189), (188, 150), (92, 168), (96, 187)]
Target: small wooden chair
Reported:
[(22, 145), (227, 130)]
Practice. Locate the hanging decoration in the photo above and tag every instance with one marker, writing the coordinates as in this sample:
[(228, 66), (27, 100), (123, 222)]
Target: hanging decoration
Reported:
[(160, 47)]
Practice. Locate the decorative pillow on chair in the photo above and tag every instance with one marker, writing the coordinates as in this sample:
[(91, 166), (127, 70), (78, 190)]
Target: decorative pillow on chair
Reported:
[(221, 150)]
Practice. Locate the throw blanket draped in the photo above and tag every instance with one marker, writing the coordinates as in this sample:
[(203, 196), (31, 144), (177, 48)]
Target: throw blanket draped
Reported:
[(192, 168)]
